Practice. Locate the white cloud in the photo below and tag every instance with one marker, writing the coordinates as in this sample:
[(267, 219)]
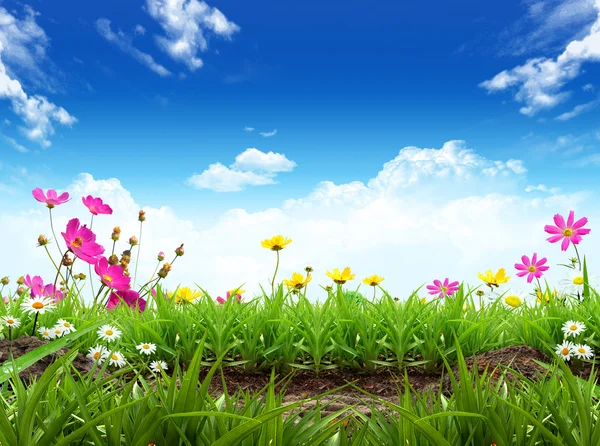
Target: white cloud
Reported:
[(588, 87), (248, 129), (539, 81), (185, 23), (124, 44), (13, 142), (543, 188), (578, 109), (139, 30), (268, 134), (407, 235), (251, 168)]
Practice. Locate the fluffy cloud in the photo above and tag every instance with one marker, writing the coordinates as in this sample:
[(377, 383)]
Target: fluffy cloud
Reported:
[(185, 23), (578, 109), (542, 188), (248, 129), (539, 81), (251, 168), (394, 229), (268, 134), (123, 42)]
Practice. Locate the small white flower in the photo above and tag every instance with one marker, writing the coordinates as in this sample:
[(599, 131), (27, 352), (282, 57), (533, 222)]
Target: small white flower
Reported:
[(565, 350), (157, 366), (98, 353), (37, 305), (116, 359), (573, 282), (11, 322), (109, 333), (573, 328), (146, 348), (582, 351), (66, 326), (57, 332), (46, 333)]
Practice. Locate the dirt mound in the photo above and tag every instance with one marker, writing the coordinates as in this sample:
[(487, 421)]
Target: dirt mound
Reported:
[(20, 346)]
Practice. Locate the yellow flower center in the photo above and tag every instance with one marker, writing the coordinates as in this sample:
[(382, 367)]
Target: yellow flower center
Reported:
[(96, 355), (568, 232), (67, 325), (78, 242), (513, 301), (581, 350), (158, 366), (10, 321), (578, 280), (443, 288), (145, 346), (93, 208), (114, 357), (107, 278), (573, 327), (109, 332), (57, 331), (37, 305), (531, 269), (565, 351)]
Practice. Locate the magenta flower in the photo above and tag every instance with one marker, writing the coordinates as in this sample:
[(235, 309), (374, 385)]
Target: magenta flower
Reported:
[(442, 289), (534, 267), (570, 232), (82, 242), (96, 206), (51, 198), (222, 301), (112, 276), (130, 297), (35, 284)]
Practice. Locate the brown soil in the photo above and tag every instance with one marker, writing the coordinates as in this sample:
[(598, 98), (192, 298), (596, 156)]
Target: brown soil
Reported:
[(20, 346)]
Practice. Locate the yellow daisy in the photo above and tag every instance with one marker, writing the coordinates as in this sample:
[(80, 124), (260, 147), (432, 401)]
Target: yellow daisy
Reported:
[(185, 294), (276, 243), (374, 280), (494, 280), (342, 277), (297, 282)]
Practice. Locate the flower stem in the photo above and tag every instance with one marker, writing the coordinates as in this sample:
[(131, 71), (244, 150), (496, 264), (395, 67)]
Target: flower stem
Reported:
[(98, 295), (274, 274), (578, 258), (34, 323), (137, 260), (52, 227)]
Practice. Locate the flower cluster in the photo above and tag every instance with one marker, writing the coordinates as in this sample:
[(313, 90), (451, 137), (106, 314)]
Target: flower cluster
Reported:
[(567, 348)]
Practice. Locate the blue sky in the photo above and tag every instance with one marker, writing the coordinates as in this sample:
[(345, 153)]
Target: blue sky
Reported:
[(155, 92)]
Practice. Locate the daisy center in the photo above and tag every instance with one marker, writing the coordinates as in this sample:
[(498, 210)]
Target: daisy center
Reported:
[(114, 357), (158, 366), (10, 321), (78, 242), (578, 280), (67, 325), (573, 328), (568, 232), (108, 332), (565, 351), (37, 305), (96, 355), (531, 269), (581, 350), (145, 346)]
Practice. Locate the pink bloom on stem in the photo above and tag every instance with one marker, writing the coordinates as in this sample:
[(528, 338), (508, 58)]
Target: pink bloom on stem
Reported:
[(443, 289), (222, 301), (55, 293), (51, 198), (570, 232), (112, 276), (96, 206), (35, 283), (82, 242), (130, 297), (533, 268)]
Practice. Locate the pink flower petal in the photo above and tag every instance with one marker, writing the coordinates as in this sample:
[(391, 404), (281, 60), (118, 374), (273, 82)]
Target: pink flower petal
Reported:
[(552, 229), (555, 238), (571, 219), (559, 221), (579, 223), (565, 244)]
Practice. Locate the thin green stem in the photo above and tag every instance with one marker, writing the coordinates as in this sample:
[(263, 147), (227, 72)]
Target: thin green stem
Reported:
[(137, 260), (52, 228), (274, 274), (34, 323), (578, 258)]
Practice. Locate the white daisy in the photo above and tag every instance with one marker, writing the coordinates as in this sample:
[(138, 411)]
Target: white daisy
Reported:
[(66, 326), (57, 332), (37, 305), (157, 366), (582, 351), (573, 282), (116, 359), (573, 328), (109, 333), (146, 348), (565, 350), (11, 322), (46, 333), (98, 353)]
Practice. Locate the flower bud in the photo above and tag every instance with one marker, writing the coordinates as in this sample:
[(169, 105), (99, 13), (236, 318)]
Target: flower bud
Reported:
[(20, 290), (308, 269), (133, 240), (142, 216), (80, 276), (480, 293), (116, 233), (164, 270), (179, 251), (161, 256), (42, 240), (5, 280), (21, 280), (67, 261), (113, 259)]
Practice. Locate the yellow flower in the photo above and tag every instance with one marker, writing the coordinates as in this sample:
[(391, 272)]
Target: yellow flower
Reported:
[(342, 277), (185, 294), (276, 243), (423, 300), (547, 295), (513, 300), (235, 291), (297, 282), (373, 280), (494, 280)]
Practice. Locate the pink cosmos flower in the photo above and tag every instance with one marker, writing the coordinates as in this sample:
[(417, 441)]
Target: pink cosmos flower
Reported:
[(533, 268), (442, 289), (130, 297), (51, 198), (55, 293), (153, 291), (96, 206), (35, 284), (82, 242), (222, 301), (570, 232), (112, 276)]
